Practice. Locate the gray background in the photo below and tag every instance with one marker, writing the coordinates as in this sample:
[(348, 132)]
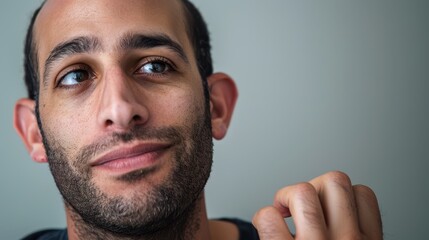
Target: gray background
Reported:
[(324, 85)]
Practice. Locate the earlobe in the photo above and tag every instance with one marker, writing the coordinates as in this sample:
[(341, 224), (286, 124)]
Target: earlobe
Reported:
[(25, 124), (223, 96)]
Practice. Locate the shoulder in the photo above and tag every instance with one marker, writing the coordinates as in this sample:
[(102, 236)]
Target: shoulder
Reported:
[(246, 230), (49, 234)]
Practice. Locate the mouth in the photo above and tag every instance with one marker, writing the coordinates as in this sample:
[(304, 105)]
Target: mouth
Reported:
[(126, 159)]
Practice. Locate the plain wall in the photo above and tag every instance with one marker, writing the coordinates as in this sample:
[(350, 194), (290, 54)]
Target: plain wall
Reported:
[(324, 85)]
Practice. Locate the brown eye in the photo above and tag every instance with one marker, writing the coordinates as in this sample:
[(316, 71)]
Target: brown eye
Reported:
[(74, 77)]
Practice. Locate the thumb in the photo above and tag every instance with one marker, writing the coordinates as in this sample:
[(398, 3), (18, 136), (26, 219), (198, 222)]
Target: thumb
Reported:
[(271, 225)]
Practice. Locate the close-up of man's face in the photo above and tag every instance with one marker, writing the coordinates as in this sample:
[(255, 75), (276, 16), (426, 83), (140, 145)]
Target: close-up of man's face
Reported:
[(125, 103), (122, 108), (122, 111)]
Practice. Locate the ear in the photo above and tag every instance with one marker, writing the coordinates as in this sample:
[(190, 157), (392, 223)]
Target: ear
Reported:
[(223, 95), (25, 124)]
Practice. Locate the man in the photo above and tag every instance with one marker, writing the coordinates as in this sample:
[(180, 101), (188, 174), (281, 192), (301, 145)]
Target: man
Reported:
[(123, 105)]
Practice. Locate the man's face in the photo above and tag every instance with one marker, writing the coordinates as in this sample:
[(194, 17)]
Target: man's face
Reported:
[(122, 110)]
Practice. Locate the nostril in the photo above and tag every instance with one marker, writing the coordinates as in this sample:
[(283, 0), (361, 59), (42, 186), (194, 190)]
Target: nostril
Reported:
[(137, 118), (109, 122)]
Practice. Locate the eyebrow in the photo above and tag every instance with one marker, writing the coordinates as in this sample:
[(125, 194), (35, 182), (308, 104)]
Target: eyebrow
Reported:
[(137, 41), (68, 48)]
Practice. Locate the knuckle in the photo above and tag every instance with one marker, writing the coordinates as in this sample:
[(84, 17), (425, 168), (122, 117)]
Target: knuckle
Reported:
[(365, 193), (300, 190), (264, 214), (367, 199), (305, 189), (339, 178)]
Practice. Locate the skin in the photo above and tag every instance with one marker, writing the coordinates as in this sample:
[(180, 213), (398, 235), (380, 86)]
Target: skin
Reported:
[(119, 96), (327, 207)]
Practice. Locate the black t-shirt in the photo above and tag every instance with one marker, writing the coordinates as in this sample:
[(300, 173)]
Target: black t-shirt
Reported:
[(246, 230)]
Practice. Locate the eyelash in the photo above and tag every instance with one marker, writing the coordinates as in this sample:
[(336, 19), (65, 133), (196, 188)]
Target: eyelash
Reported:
[(154, 59), (71, 70), (171, 67)]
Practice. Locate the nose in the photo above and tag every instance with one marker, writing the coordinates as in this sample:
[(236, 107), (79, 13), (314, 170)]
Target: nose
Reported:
[(121, 103)]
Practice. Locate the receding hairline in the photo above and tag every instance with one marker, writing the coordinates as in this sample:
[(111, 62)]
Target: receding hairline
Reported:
[(186, 18), (198, 38)]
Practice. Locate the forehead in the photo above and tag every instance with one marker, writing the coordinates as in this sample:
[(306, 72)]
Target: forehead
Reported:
[(60, 20)]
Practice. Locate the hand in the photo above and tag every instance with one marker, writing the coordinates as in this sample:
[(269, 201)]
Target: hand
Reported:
[(328, 207)]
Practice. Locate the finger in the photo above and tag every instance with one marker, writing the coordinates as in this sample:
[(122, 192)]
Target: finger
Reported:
[(302, 201), (368, 212), (271, 225), (337, 198)]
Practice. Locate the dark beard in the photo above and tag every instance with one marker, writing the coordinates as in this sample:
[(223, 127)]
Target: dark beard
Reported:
[(167, 207)]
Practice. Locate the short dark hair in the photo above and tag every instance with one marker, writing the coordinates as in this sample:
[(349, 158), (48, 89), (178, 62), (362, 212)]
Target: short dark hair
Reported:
[(197, 32), (31, 63)]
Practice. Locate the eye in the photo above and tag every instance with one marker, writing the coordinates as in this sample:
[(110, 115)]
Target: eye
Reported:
[(74, 77), (155, 67)]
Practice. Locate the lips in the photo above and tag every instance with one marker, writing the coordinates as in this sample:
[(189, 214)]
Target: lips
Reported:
[(129, 158)]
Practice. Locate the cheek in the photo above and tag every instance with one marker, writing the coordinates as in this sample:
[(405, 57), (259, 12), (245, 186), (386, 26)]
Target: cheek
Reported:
[(66, 126), (177, 108)]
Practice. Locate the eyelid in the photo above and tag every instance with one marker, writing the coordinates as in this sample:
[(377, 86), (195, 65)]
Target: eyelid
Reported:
[(150, 59), (71, 69)]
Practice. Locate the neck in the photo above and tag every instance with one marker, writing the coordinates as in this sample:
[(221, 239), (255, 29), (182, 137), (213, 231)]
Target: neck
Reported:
[(192, 225)]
